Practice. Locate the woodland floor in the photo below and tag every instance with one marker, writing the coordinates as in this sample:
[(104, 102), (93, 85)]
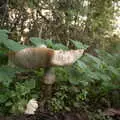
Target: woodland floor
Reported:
[(59, 116), (47, 116)]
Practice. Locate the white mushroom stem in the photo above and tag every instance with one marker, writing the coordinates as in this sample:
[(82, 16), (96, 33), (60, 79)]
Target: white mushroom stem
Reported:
[(49, 77)]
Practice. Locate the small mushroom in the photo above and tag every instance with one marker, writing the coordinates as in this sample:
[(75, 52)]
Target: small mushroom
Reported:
[(31, 107)]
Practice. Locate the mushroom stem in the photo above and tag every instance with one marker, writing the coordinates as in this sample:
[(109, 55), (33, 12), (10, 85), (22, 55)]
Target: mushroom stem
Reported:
[(46, 88), (49, 76), (48, 81)]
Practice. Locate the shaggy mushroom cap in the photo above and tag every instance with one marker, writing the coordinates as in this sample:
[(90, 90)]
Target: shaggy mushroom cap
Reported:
[(63, 58), (32, 58), (44, 57)]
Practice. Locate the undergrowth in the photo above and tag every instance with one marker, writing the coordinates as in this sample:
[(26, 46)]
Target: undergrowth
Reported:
[(87, 84)]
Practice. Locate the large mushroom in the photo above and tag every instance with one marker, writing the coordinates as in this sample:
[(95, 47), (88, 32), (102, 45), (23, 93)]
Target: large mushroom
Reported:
[(33, 58)]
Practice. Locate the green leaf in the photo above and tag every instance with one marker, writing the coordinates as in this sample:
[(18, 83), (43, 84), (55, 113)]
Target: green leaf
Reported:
[(79, 45), (3, 98), (60, 46), (5, 79), (113, 70), (9, 103), (30, 84), (74, 76), (37, 41), (95, 59), (6, 75), (103, 76), (49, 43), (3, 35), (25, 88), (14, 46), (93, 75), (82, 65)]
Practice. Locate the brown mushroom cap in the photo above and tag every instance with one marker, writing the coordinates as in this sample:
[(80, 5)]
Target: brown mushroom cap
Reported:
[(44, 57)]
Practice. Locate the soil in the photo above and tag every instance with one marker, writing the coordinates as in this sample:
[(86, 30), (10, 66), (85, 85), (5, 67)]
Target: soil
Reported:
[(47, 116), (56, 116)]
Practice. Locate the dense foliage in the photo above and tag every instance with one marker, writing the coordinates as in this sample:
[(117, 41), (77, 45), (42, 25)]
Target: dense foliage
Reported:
[(88, 21), (87, 84), (92, 83)]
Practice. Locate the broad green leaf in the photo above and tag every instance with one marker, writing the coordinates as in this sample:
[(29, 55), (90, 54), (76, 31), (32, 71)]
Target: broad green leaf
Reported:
[(79, 45), (3, 35), (14, 46), (60, 46), (74, 76), (6, 74), (3, 98), (84, 83), (4, 78), (82, 65), (99, 76), (93, 75), (9, 103), (49, 43), (3, 57), (25, 87), (30, 84), (95, 59), (114, 70), (37, 41), (105, 77)]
